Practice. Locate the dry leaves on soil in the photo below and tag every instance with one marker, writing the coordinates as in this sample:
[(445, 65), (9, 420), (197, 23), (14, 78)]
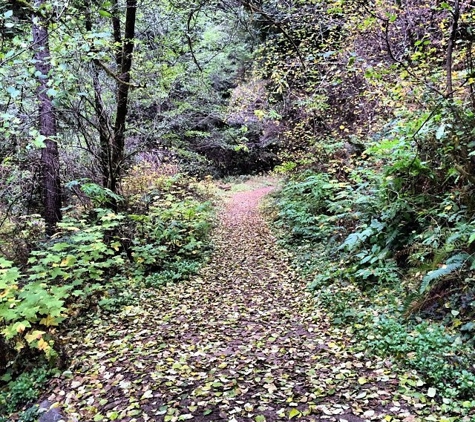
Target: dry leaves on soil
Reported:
[(239, 342)]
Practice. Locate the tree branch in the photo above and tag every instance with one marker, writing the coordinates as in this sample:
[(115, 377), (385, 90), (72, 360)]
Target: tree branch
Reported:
[(254, 9), (116, 77), (188, 37)]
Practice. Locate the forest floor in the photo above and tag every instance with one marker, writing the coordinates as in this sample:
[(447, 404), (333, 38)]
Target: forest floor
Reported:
[(239, 342)]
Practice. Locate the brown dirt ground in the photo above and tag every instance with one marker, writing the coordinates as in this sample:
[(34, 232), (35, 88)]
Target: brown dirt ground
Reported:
[(239, 342)]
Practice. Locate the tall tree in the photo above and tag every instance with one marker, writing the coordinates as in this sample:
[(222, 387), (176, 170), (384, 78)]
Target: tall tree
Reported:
[(124, 50), (112, 125), (455, 12), (46, 122)]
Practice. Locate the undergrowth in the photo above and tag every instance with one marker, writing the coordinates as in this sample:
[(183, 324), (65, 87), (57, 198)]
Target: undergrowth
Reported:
[(24, 389), (387, 247), (98, 259)]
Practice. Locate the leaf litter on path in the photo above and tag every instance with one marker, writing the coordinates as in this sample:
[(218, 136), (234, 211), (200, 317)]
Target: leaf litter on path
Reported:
[(239, 342)]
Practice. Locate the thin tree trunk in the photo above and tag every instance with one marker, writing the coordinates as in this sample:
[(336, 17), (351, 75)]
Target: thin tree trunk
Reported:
[(124, 55), (101, 114), (47, 125), (450, 48)]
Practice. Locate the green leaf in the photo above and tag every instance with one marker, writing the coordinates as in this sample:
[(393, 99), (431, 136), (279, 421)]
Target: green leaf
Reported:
[(13, 91), (8, 277), (105, 14), (113, 416), (293, 413), (39, 141)]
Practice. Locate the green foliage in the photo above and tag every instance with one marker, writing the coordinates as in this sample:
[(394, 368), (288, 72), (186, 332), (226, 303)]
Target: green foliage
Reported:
[(23, 390), (302, 204), (454, 263), (169, 234), (378, 245), (73, 266), (285, 167), (441, 357), (394, 235), (30, 415), (173, 271), (100, 258), (99, 195)]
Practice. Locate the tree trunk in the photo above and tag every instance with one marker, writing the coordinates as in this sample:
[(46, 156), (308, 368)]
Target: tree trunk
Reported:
[(124, 52), (450, 48), (47, 125), (103, 125)]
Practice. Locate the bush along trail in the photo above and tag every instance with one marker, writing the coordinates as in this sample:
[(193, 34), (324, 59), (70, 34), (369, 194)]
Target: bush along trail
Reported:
[(239, 342)]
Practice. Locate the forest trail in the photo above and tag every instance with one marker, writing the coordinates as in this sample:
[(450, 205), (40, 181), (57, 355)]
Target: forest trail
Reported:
[(238, 342)]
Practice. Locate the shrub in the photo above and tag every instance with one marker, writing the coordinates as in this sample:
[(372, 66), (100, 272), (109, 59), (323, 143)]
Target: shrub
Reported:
[(428, 348), (23, 390), (377, 249), (100, 258)]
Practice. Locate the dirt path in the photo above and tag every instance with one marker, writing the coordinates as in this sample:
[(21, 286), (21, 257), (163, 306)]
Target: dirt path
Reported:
[(240, 342)]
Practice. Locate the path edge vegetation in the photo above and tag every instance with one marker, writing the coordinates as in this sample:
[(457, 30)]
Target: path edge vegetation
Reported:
[(374, 317), (378, 205), (97, 263)]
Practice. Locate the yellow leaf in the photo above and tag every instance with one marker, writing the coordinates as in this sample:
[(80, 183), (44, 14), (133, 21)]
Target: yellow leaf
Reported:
[(43, 345), (68, 261), (49, 321), (35, 335), (19, 345), (20, 327), (362, 380)]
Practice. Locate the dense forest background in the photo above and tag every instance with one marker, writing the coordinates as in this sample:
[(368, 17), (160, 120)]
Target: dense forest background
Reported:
[(117, 116)]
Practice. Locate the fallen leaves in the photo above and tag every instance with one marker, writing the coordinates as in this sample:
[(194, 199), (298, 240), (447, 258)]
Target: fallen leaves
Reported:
[(240, 341)]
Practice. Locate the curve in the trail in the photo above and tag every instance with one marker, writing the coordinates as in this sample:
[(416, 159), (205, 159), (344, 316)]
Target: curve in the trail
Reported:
[(239, 342)]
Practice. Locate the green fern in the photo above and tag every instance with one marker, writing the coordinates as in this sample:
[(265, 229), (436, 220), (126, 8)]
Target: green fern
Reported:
[(452, 264)]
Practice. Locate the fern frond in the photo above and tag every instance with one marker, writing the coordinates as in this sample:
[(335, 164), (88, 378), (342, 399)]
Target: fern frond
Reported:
[(452, 264)]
